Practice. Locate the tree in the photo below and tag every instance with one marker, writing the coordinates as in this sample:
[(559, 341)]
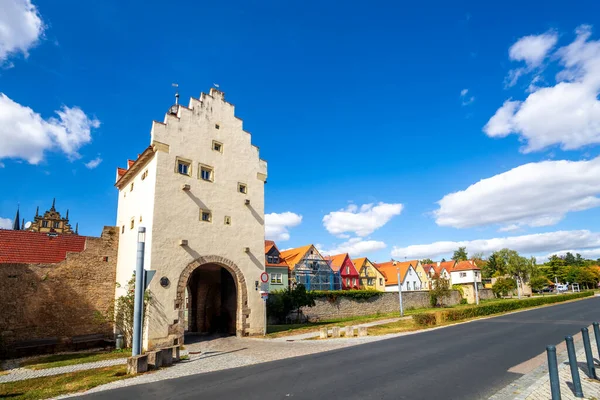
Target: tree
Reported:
[(492, 267), (579, 261), (569, 258), (460, 254), (538, 283), (440, 289), (427, 261), (444, 260), (280, 304), (587, 277), (504, 286), (516, 266)]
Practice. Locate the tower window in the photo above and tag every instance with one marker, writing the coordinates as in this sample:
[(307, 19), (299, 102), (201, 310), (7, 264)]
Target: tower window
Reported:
[(44, 224), (242, 188), (123, 229), (131, 187), (205, 216), (217, 126), (184, 167), (227, 220), (206, 173), (56, 224), (144, 174), (132, 223), (217, 146)]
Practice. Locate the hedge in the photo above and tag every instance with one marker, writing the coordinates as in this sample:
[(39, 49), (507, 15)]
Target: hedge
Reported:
[(458, 314), (333, 295)]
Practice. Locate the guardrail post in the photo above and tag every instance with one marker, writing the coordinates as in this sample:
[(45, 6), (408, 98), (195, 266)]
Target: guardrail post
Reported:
[(597, 335), (574, 369), (553, 371), (589, 357)]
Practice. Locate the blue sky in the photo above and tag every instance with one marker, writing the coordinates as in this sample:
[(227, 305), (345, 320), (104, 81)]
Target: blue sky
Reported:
[(351, 106)]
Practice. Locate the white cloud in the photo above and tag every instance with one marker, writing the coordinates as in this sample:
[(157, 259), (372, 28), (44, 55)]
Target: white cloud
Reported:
[(24, 134), (355, 247), (527, 244), (20, 27), (93, 163), (465, 99), (533, 49), (360, 221), (277, 225), (534, 194), (6, 223), (566, 114)]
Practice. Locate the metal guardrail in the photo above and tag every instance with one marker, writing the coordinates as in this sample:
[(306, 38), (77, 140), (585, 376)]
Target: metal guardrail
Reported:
[(576, 379)]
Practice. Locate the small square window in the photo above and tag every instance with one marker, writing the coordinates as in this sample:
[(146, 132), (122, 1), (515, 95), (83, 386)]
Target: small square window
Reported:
[(105, 259), (206, 173), (217, 126), (184, 167), (132, 223), (227, 220), (131, 187), (242, 188), (44, 224), (205, 216), (217, 146)]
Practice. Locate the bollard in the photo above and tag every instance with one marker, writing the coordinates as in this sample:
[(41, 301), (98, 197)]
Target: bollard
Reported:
[(553, 371), (589, 357), (574, 369), (335, 332), (323, 333), (362, 331), (349, 331), (119, 342), (597, 335)]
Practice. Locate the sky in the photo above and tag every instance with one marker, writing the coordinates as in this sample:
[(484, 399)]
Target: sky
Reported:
[(391, 130)]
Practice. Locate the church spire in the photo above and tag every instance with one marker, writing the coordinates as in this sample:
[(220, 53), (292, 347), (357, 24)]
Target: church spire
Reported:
[(67, 217), (53, 204), (37, 211), (16, 226), (77, 228)]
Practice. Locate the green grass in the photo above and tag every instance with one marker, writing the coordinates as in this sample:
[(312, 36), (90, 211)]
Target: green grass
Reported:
[(285, 329), (52, 386), (62, 360)]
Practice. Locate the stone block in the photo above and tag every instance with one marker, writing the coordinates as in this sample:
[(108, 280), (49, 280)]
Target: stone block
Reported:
[(323, 333), (335, 331), (137, 364), (176, 350), (362, 331), (349, 331), (167, 356), (155, 359)]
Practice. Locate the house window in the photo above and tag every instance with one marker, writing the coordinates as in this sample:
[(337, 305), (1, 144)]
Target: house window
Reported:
[(132, 223), (381, 281), (353, 281), (275, 260), (347, 281), (463, 274), (347, 270), (44, 224), (131, 187), (206, 172), (56, 224), (184, 167), (410, 272), (217, 146), (242, 188), (276, 278), (270, 259), (205, 216), (279, 278), (370, 281), (273, 278), (227, 220)]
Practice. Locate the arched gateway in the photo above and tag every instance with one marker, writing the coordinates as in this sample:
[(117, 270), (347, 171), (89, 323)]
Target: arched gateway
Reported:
[(217, 297)]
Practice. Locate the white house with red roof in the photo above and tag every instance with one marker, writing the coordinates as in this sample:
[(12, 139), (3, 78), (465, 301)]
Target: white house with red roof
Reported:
[(467, 274)]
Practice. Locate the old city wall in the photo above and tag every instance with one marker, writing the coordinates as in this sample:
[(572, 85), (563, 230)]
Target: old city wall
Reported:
[(325, 308), (60, 300)]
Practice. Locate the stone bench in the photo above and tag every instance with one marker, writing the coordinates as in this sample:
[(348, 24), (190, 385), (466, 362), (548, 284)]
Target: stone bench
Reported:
[(155, 359), (137, 364), (176, 349), (166, 356)]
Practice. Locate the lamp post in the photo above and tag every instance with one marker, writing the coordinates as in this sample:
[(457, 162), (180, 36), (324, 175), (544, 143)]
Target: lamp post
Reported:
[(475, 273), (400, 293), (138, 305)]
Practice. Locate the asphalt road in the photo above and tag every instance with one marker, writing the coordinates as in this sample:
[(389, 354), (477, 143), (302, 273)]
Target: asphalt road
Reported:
[(467, 361)]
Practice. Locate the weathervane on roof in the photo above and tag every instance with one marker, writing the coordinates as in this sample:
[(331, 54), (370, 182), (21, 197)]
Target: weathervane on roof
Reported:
[(176, 86)]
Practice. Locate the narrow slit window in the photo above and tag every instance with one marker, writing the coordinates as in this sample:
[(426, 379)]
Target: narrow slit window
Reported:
[(131, 187), (227, 220), (205, 216), (243, 188), (132, 223)]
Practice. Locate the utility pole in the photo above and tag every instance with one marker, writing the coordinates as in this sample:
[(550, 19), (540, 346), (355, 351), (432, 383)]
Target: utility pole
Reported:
[(138, 305), (476, 288), (400, 293)]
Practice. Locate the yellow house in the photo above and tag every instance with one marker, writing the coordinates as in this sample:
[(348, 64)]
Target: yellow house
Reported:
[(422, 274), (370, 277)]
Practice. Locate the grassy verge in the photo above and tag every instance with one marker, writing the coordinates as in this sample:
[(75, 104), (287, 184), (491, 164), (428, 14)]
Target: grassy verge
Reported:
[(52, 386), (62, 360)]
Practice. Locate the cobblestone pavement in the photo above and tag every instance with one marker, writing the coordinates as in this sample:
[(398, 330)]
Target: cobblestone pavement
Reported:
[(19, 374), (535, 385)]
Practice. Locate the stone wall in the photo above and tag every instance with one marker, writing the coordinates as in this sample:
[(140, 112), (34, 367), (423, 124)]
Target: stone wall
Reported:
[(486, 294), (325, 309), (61, 300)]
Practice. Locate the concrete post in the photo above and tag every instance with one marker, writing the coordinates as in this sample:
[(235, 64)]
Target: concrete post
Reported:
[(597, 335), (335, 332), (323, 334), (349, 331), (588, 353), (138, 307), (553, 371), (574, 368), (400, 294), (362, 331)]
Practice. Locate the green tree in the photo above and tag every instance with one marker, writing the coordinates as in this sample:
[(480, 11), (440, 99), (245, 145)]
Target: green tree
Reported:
[(440, 290), (504, 286), (569, 258), (579, 261), (426, 261), (492, 266), (280, 304), (460, 254), (516, 266), (586, 277), (538, 283), (444, 260)]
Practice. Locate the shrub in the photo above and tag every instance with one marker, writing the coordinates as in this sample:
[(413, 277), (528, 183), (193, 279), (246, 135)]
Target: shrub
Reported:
[(281, 303), (333, 295), (504, 286), (458, 314), (463, 301)]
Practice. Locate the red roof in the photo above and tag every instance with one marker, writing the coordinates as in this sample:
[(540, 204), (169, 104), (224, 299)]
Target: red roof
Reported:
[(34, 247), (465, 266)]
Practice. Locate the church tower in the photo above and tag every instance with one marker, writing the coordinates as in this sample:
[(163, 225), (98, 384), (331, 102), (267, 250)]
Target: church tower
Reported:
[(51, 222)]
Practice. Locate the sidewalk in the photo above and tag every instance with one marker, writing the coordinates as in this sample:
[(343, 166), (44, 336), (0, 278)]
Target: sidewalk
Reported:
[(535, 384)]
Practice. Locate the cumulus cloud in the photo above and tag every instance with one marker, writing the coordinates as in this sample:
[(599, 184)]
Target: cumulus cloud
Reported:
[(20, 27), (465, 98), (6, 223), (24, 134), (277, 225), (566, 114), (533, 49), (361, 221), (541, 243), (534, 194), (93, 163), (355, 247)]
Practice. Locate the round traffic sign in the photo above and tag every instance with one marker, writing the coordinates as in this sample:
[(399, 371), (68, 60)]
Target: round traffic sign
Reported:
[(264, 277)]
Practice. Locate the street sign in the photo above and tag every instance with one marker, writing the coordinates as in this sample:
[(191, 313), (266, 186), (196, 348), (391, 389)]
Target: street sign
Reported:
[(264, 277), (148, 275)]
